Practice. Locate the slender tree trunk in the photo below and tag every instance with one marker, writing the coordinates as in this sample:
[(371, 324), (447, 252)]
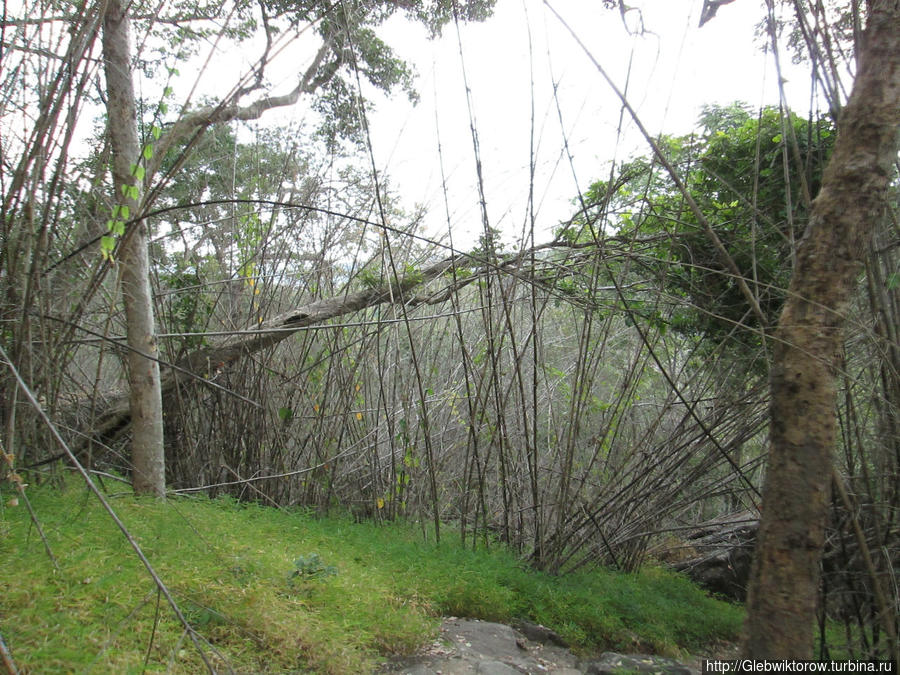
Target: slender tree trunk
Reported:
[(784, 583), (145, 398)]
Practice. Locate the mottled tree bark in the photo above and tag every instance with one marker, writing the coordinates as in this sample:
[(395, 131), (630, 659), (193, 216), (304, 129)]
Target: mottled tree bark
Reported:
[(785, 579), (145, 398)]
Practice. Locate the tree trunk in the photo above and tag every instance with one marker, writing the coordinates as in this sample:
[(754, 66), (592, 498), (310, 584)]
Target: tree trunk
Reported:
[(785, 579), (204, 361), (145, 398)]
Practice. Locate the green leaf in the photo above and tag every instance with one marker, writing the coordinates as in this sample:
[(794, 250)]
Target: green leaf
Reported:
[(156, 132), (285, 414), (148, 151), (124, 211), (118, 228), (133, 192), (139, 172), (107, 243)]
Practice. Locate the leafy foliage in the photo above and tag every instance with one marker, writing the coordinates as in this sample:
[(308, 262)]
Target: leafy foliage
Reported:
[(311, 567), (434, 14), (187, 309), (348, 29), (752, 185)]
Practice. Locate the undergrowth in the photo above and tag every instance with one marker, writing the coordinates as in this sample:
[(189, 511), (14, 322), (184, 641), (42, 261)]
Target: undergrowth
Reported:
[(282, 591)]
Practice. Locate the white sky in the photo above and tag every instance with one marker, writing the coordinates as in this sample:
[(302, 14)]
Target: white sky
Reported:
[(675, 68)]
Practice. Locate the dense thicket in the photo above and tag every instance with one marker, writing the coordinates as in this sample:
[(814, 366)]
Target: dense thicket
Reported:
[(584, 400)]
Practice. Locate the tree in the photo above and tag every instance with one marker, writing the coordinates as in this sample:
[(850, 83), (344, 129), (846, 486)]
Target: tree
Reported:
[(806, 350), (743, 173), (147, 453), (348, 43)]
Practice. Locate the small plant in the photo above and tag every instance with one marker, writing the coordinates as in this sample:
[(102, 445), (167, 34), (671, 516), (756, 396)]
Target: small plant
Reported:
[(370, 278), (311, 567)]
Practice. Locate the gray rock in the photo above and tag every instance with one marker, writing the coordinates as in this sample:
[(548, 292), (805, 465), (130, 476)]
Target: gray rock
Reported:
[(538, 633), (611, 663), (724, 553), (495, 668), (472, 647)]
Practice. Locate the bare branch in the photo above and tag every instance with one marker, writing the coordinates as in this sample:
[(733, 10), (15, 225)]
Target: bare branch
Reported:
[(117, 415), (201, 119)]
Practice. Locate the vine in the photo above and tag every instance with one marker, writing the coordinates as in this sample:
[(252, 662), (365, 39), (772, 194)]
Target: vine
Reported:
[(121, 212)]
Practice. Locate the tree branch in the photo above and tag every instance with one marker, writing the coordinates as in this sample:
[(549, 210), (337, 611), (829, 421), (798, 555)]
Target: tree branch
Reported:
[(117, 416), (198, 121)]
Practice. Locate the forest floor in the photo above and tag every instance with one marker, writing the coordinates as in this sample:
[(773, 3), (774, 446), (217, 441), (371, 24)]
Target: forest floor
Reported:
[(272, 590)]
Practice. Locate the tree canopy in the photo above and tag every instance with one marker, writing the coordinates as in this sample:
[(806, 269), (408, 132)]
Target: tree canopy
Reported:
[(752, 175)]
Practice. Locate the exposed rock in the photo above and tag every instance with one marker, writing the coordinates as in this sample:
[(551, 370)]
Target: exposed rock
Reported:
[(611, 663), (472, 647), (538, 633)]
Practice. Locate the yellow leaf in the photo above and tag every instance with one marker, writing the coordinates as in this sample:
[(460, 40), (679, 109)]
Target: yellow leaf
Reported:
[(380, 503), (359, 416), (316, 408)]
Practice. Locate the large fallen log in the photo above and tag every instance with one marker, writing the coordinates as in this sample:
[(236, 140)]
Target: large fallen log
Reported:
[(115, 416), (201, 363)]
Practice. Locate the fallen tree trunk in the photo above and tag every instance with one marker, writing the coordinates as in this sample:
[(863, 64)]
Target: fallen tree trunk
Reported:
[(201, 363), (115, 416)]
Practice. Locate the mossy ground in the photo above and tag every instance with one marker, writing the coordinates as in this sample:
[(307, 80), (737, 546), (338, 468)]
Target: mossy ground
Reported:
[(229, 567)]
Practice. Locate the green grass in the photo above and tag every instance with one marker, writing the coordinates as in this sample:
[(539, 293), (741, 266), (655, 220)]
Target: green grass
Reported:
[(230, 567)]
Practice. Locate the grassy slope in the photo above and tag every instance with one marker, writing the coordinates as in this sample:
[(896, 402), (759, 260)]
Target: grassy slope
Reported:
[(229, 567)]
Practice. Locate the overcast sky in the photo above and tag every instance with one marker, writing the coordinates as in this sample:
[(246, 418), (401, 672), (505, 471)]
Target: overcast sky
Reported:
[(669, 72), (512, 62)]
